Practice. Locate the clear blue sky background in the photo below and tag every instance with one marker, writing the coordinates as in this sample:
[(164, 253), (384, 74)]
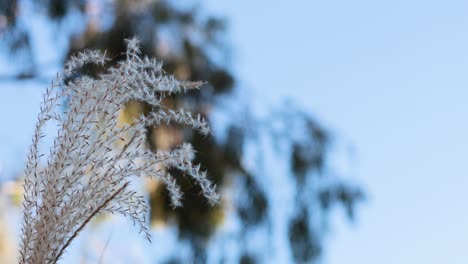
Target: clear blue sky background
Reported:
[(391, 76)]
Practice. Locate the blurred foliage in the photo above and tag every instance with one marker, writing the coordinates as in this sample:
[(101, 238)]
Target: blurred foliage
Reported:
[(305, 246), (192, 46), (8, 13)]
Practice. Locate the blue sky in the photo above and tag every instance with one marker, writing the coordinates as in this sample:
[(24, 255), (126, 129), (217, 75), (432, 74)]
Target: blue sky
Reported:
[(392, 78)]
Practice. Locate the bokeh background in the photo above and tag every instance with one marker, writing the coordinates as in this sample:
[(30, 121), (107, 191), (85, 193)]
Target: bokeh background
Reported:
[(339, 129)]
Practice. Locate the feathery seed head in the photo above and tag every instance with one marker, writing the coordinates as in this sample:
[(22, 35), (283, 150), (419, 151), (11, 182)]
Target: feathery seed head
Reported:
[(89, 166)]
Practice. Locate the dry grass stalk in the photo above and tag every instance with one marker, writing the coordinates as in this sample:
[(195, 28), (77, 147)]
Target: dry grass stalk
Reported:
[(92, 160)]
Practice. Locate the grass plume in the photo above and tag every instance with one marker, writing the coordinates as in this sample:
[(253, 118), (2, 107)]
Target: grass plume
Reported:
[(93, 158)]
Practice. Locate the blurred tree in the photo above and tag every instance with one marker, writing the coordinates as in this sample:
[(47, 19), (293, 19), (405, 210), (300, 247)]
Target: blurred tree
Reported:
[(192, 46)]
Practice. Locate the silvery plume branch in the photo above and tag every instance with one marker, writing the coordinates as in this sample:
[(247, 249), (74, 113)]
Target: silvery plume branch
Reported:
[(93, 158)]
